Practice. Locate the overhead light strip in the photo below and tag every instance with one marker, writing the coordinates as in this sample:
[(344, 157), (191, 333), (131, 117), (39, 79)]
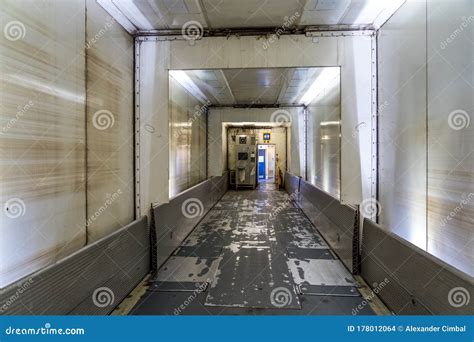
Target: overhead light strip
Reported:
[(182, 78), (320, 83)]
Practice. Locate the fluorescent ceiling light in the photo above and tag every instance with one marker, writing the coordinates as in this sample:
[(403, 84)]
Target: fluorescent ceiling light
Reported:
[(182, 78), (324, 79)]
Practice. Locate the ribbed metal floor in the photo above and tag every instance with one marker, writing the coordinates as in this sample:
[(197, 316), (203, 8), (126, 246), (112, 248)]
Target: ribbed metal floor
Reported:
[(255, 252)]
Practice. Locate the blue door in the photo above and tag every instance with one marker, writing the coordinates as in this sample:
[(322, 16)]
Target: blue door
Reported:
[(261, 164)]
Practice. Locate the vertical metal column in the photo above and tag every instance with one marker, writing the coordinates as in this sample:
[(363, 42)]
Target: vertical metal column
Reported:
[(305, 120), (137, 128), (374, 125), (207, 141)]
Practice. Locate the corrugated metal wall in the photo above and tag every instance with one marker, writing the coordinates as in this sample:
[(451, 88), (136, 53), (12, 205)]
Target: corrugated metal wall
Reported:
[(50, 152), (426, 134)]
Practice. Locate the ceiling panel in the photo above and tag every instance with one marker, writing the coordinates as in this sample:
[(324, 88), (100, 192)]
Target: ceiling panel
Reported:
[(148, 15), (262, 86), (250, 13)]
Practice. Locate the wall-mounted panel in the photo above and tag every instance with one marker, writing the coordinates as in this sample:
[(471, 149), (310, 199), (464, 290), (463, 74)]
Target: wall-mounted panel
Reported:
[(152, 108), (42, 68), (450, 123), (109, 51), (187, 139), (324, 141), (402, 123)]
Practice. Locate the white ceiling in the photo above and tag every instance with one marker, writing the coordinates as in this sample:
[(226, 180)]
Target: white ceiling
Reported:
[(145, 15), (256, 86)]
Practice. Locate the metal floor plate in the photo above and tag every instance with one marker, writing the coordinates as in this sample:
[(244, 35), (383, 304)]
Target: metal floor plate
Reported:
[(188, 269), (322, 277), (253, 277)]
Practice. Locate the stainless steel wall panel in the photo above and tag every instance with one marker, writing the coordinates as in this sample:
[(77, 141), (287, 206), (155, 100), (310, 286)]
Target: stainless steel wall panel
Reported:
[(450, 121), (419, 283), (324, 140), (402, 124), (187, 140), (42, 67), (426, 158), (112, 267), (109, 52)]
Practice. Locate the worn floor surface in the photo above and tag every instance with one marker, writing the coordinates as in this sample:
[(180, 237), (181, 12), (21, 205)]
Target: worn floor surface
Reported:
[(254, 253)]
